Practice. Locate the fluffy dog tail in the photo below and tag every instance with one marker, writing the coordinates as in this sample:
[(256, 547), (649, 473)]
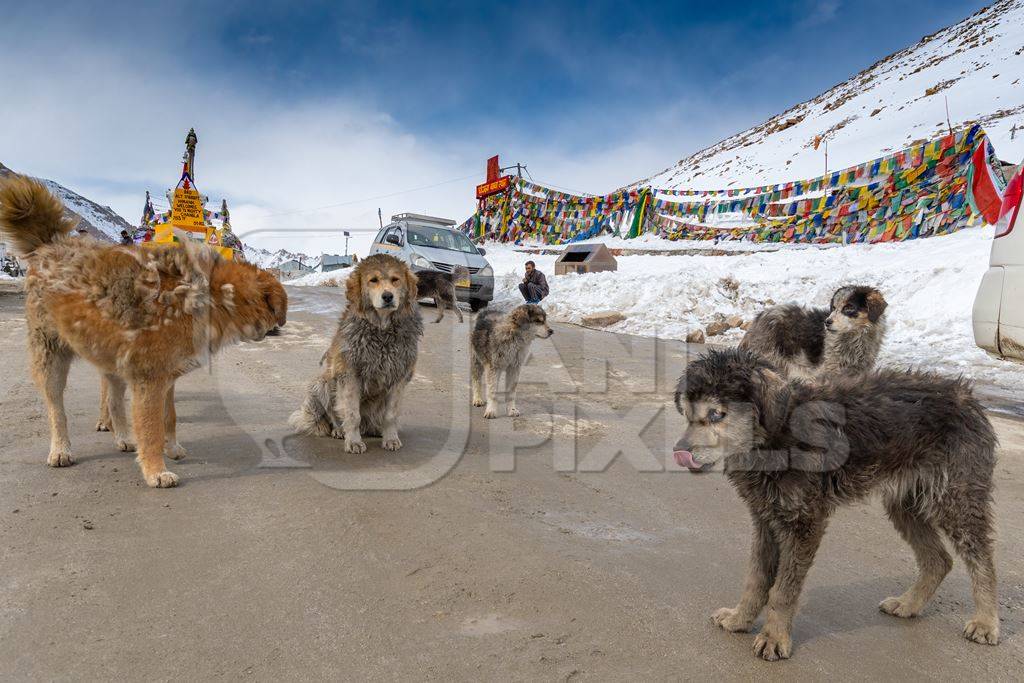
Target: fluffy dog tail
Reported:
[(313, 417), (30, 216)]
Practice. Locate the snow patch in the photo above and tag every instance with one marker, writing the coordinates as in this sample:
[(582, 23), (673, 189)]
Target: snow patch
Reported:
[(930, 286), (334, 278)]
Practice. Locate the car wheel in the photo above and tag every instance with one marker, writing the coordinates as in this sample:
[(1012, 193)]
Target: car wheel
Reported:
[(476, 304)]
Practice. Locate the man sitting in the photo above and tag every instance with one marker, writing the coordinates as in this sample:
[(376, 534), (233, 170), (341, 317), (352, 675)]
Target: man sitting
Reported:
[(534, 286)]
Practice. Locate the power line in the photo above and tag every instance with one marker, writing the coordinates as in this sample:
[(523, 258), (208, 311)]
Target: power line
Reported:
[(367, 199), (563, 189)]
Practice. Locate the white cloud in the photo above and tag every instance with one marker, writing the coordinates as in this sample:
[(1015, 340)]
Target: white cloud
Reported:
[(818, 12), (110, 120)]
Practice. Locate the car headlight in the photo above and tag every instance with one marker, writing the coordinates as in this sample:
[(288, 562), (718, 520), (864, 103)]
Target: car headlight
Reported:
[(486, 271), (420, 262)]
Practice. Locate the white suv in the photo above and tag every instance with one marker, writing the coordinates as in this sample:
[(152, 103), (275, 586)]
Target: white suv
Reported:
[(999, 305)]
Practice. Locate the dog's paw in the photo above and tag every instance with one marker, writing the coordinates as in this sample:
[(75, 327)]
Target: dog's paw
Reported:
[(355, 446), (162, 480), (727, 618), (898, 607), (478, 402), (60, 458), (392, 444), (102, 426), (771, 647), (124, 445), (513, 412), (984, 631), (175, 451), (490, 413), (337, 434)]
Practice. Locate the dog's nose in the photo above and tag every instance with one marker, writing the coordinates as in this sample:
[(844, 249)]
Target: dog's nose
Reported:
[(828, 323), (387, 297)]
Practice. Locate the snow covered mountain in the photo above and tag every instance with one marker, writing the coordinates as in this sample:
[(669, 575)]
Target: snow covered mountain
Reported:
[(99, 221), (977, 64), (273, 259)]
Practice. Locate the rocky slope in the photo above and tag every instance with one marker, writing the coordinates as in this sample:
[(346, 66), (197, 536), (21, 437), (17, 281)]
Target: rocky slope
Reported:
[(99, 221)]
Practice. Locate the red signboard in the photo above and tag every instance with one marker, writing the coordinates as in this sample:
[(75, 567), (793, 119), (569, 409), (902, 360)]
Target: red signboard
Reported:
[(499, 185), (493, 169)]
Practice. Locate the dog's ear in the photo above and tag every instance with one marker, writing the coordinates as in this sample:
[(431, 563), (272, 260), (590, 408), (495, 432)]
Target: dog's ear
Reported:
[(519, 316), (276, 300), (875, 304), (770, 396), (411, 283), (680, 394), (354, 291)]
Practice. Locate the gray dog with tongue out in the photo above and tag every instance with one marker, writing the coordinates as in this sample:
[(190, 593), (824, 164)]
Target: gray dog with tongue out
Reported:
[(796, 451)]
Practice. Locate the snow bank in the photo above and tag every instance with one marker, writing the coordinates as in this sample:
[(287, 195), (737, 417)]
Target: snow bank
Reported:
[(334, 278), (930, 286)]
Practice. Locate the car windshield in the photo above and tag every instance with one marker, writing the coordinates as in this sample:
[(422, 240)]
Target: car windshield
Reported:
[(439, 238)]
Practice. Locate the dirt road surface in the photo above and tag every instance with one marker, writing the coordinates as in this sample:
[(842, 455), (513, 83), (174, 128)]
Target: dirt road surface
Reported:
[(525, 558)]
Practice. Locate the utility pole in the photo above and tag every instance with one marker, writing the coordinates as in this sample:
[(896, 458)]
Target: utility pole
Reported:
[(519, 169), (347, 236), (380, 218)]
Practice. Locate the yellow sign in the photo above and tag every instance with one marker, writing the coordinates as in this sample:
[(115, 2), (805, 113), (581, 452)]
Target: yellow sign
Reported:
[(187, 210), (164, 234)]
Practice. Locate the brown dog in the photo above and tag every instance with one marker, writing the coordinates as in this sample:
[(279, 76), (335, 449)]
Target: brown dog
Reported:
[(144, 317), (432, 284), (370, 361), (172, 449)]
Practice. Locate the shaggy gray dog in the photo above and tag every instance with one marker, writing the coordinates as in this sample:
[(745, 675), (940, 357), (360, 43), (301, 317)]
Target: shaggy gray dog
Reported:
[(805, 342), (370, 361), (796, 451), (500, 344)]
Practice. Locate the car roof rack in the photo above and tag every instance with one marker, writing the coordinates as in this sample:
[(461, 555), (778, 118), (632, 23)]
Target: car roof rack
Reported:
[(420, 218)]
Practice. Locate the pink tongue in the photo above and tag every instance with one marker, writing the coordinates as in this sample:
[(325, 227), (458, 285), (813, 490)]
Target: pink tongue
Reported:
[(685, 459)]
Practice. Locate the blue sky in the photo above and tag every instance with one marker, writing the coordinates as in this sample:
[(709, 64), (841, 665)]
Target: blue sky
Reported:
[(303, 105)]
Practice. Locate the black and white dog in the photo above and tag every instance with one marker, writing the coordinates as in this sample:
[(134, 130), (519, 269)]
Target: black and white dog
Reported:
[(805, 342), (796, 451)]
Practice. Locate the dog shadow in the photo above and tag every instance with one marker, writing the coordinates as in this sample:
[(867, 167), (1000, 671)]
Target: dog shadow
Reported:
[(851, 607), (828, 612), (235, 438), (420, 444)]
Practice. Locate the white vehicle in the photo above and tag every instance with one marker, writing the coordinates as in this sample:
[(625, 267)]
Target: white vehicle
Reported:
[(429, 243), (999, 305)]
